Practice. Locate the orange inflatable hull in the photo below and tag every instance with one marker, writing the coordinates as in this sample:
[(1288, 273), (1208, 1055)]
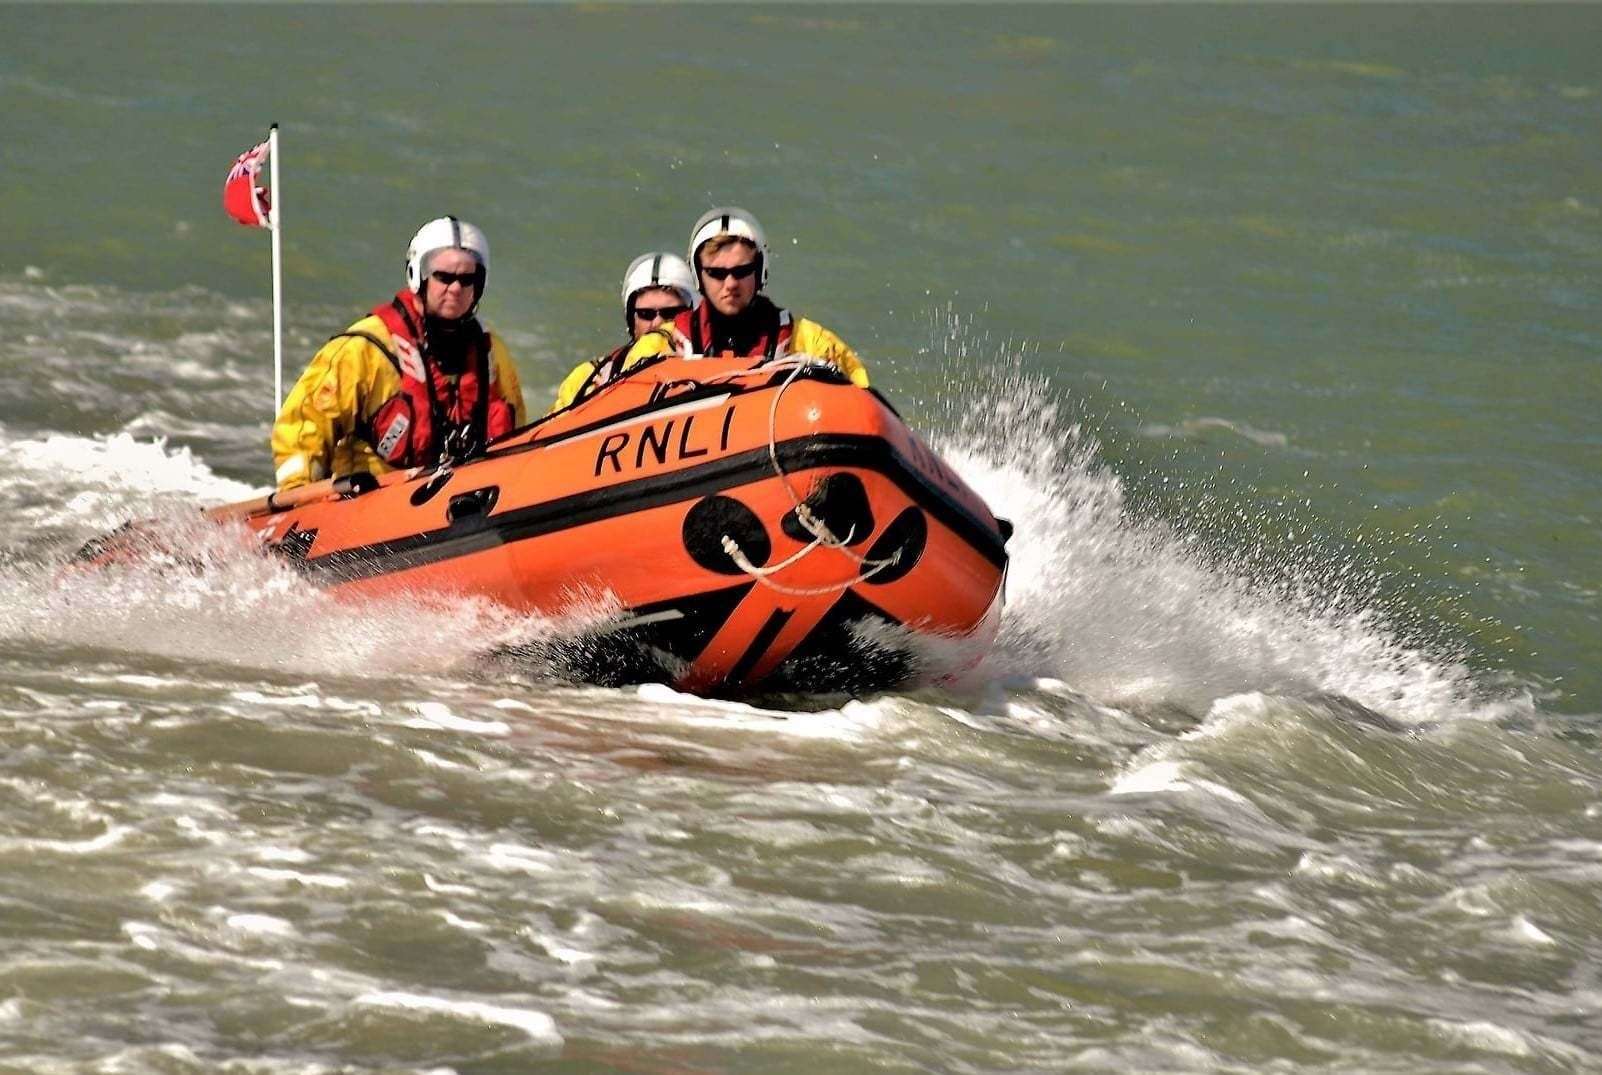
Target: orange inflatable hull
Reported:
[(675, 491)]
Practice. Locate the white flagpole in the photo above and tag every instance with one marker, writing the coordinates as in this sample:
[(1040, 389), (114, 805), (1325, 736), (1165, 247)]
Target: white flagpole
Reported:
[(275, 217)]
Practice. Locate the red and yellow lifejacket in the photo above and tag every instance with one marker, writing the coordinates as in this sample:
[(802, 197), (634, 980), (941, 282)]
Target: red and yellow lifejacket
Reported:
[(774, 327), (434, 414)]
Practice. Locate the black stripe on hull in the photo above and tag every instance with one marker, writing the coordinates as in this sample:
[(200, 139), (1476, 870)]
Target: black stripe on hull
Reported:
[(834, 657), (656, 642), (477, 533), (759, 645)]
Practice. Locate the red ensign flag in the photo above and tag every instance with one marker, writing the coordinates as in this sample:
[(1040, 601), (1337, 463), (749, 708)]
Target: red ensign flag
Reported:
[(244, 200)]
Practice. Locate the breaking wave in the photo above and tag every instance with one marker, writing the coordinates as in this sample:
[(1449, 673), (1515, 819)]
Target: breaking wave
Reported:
[(1121, 606)]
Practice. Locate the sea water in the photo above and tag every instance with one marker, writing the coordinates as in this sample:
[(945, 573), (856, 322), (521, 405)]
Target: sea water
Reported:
[(1275, 331)]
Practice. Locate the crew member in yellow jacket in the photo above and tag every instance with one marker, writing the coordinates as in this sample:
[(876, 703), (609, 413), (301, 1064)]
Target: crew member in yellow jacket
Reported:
[(730, 254), (416, 382), (657, 287)]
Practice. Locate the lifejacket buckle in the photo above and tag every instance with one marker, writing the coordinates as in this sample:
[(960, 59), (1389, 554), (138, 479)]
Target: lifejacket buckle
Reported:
[(460, 444)]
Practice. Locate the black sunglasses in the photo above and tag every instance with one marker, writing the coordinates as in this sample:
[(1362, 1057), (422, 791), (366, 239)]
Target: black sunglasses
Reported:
[(645, 313), (466, 279), (739, 272)]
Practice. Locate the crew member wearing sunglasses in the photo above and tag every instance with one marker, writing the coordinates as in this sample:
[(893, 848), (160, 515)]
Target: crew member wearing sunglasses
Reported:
[(415, 383), (734, 319), (657, 287)]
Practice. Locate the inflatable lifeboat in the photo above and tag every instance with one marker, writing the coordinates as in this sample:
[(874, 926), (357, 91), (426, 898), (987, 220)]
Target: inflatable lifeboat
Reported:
[(773, 527)]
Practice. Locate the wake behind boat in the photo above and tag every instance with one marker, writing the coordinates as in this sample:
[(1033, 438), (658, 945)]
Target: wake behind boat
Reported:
[(773, 526)]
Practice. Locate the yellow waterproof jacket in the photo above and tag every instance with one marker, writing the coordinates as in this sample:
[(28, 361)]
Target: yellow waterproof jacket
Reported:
[(806, 338), (315, 434), (574, 384)]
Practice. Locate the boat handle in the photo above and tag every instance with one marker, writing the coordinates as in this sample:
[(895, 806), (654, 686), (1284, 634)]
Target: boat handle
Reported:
[(472, 503)]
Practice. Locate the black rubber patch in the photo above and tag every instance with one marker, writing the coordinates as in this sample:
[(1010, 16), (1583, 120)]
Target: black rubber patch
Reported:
[(840, 503), (905, 538), (715, 516), (425, 492)]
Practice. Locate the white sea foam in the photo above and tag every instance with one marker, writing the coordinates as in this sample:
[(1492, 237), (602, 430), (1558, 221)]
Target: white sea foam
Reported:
[(445, 888), (516, 858), (1524, 931), (1172, 776), (1476, 900), (162, 1056), (434, 761), (1191, 427), (296, 877), (222, 601), (1131, 611), (112, 837), (1151, 779), (261, 925), (228, 604), (662, 694), (451, 918), (159, 891), (574, 957), (144, 935), (1232, 713), (675, 897), (571, 956), (173, 804), (593, 1001), (436, 715), (280, 701), (215, 835), (1483, 1035), (537, 1025), (854, 720), (97, 482), (149, 682), (1340, 869)]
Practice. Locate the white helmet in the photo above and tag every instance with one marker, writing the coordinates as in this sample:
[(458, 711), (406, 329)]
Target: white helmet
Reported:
[(446, 233), (730, 220), (658, 269)]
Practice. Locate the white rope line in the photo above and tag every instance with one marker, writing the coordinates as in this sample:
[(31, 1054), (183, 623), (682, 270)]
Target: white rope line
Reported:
[(822, 537), (761, 574), (736, 554)]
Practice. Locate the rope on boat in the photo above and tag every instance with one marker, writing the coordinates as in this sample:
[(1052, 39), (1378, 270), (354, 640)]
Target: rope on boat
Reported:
[(822, 537)]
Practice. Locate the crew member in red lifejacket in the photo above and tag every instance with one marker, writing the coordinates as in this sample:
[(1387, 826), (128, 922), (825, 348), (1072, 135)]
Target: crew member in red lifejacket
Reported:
[(657, 287), (731, 258), (416, 382)]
